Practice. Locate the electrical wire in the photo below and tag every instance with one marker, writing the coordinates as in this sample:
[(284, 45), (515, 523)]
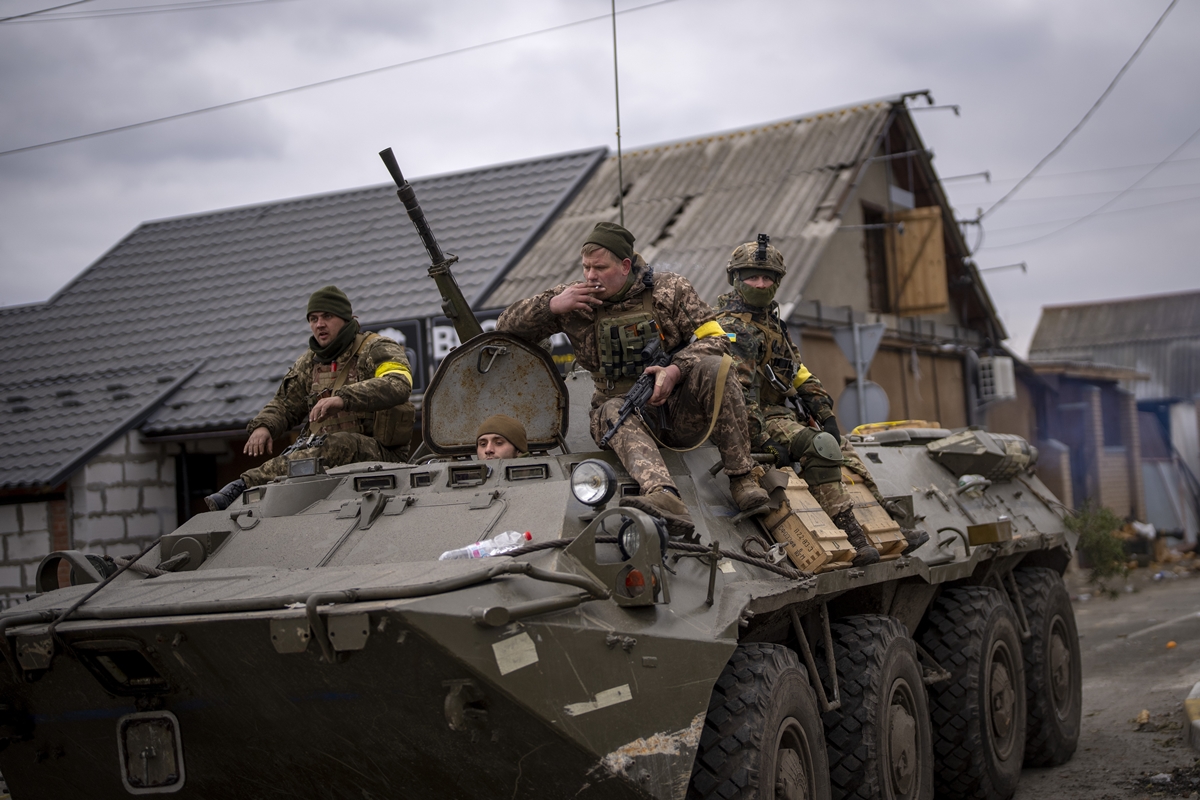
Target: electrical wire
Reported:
[(1125, 191), (326, 82), (1107, 192), (1146, 207), (1071, 134), (1050, 175), (131, 11), (43, 10)]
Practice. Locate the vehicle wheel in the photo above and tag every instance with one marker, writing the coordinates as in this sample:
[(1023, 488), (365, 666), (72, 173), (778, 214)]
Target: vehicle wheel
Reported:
[(1053, 677), (879, 742), (979, 713), (762, 738)]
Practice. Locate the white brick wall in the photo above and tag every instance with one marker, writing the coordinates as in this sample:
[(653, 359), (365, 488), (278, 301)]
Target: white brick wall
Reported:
[(141, 471), (103, 473), (10, 578), (120, 498), (8, 519), (27, 547)]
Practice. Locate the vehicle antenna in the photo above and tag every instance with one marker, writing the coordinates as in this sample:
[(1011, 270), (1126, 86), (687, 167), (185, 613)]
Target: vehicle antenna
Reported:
[(617, 95)]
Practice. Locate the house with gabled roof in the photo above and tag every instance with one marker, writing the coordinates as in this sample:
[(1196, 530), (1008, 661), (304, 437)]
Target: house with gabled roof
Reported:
[(1134, 364), (124, 397), (129, 393)]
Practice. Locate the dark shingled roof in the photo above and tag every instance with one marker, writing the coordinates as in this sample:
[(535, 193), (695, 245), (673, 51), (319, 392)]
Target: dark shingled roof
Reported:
[(188, 324)]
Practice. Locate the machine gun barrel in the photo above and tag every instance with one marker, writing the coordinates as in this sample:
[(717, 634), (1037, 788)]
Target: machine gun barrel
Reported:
[(454, 305)]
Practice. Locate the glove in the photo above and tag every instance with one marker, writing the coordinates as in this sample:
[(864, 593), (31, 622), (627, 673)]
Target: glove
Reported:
[(783, 459), (830, 426)]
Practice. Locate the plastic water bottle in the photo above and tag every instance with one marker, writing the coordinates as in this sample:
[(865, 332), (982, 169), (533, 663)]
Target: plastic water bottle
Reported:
[(498, 545)]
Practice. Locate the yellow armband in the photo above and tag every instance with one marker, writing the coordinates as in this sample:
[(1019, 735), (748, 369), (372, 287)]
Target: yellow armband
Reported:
[(710, 328), (801, 376), (388, 367)]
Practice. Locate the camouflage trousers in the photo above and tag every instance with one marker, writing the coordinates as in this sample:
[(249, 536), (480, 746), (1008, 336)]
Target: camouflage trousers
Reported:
[(680, 422), (832, 496), (342, 447)]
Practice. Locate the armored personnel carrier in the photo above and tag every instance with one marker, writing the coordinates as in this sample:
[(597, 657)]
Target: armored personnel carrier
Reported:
[(308, 643)]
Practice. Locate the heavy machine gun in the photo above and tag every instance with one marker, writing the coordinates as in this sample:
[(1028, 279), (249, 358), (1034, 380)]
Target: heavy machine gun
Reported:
[(454, 305)]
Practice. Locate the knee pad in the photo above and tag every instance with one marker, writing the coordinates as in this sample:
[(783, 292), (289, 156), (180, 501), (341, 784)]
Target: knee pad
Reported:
[(817, 474)]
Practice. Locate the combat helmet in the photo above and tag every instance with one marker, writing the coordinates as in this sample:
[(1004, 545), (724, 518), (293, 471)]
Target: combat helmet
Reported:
[(757, 255)]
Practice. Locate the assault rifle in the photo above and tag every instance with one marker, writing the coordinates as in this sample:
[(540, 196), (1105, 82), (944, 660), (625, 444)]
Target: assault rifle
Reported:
[(805, 416), (642, 390)]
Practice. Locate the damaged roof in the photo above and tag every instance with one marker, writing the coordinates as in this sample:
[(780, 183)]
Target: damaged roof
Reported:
[(188, 324), (690, 203)]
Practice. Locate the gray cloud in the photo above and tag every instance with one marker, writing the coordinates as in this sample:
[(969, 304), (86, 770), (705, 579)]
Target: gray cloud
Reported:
[(1024, 74)]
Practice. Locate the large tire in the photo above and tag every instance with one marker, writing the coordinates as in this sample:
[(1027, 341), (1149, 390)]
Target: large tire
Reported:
[(879, 742), (979, 713), (762, 738), (1053, 674)]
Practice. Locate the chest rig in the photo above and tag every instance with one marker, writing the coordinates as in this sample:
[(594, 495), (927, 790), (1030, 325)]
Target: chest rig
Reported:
[(327, 379), (778, 354), (620, 337)]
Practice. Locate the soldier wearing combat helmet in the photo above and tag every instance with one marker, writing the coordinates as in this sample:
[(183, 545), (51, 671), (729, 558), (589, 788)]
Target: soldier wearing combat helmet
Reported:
[(610, 316), (770, 372), (351, 390)]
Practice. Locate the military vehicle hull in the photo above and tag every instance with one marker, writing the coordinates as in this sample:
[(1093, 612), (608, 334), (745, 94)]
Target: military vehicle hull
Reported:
[(319, 648)]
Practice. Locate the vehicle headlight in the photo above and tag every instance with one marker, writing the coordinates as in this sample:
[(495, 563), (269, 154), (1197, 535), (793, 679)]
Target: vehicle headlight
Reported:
[(593, 482)]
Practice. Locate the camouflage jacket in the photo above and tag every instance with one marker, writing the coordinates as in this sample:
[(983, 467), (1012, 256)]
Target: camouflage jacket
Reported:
[(749, 350), (678, 310), (389, 386)]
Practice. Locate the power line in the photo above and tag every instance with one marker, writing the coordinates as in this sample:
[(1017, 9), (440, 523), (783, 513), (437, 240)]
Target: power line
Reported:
[(43, 10), (142, 10), (1050, 175), (1071, 134), (326, 82), (1094, 214), (1097, 194), (1124, 192)]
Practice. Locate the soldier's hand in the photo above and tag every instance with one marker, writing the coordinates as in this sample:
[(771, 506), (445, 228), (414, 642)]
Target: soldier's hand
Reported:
[(258, 443), (830, 426), (665, 379), (325, 407), (576, 297)]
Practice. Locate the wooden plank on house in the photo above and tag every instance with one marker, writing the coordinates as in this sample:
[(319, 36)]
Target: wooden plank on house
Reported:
[(919, 266)]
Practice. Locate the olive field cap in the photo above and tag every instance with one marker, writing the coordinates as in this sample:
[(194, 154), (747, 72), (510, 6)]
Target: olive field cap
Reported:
[(331, 300), (613, 238), (507, 427)]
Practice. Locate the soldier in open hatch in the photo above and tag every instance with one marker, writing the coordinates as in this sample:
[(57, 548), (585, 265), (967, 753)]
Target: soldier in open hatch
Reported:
[(619, 307), (771, 373), (500, 436), (351, 388)]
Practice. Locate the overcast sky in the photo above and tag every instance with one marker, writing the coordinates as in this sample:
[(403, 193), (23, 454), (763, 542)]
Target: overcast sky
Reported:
[(1023, 71)]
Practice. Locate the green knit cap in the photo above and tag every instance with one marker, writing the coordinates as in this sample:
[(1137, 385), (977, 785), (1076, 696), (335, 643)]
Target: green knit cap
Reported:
[(613, 238), (331, 300)]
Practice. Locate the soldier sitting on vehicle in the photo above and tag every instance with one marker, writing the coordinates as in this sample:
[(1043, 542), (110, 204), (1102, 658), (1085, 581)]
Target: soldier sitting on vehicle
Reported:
[(621, 306), (771, 375), (500, 436), (350, 387)]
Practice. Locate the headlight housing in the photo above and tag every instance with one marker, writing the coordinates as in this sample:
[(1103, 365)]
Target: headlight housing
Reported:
[(593, 482)]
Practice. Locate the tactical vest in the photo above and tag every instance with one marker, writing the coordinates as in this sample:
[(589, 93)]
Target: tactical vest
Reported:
[(328, 378), (620, 337), (779, 354)]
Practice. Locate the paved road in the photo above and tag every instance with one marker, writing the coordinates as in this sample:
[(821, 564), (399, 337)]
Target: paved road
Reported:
[(1127, 668)]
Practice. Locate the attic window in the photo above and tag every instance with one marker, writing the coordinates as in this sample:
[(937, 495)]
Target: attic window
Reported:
[(915, 252)]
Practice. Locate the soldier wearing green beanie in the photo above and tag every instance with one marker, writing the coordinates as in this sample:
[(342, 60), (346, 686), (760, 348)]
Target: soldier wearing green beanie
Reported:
[(610, 316), (350, 389)]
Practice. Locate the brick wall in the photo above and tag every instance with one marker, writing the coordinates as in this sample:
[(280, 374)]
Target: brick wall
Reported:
[(1114, 481), (25, 531), (123, 498), (1054, 468)]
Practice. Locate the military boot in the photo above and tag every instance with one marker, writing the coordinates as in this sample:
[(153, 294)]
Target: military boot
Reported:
[(915, 538), (665, 504), (866, 554), (219, 501), (747, 494)]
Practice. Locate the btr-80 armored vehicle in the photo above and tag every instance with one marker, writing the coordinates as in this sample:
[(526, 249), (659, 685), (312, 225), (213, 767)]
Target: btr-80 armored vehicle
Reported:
[(308, 642)]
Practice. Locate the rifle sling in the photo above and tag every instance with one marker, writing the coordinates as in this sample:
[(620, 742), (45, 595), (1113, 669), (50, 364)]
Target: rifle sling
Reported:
[(718, 398)]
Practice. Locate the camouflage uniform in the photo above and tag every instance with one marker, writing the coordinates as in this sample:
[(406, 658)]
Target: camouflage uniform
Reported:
[(768, 418), (683, 419), (351, 434)]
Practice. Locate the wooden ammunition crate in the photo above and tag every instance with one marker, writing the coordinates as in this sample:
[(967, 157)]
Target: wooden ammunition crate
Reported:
[(882, 531), (809, 537)]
